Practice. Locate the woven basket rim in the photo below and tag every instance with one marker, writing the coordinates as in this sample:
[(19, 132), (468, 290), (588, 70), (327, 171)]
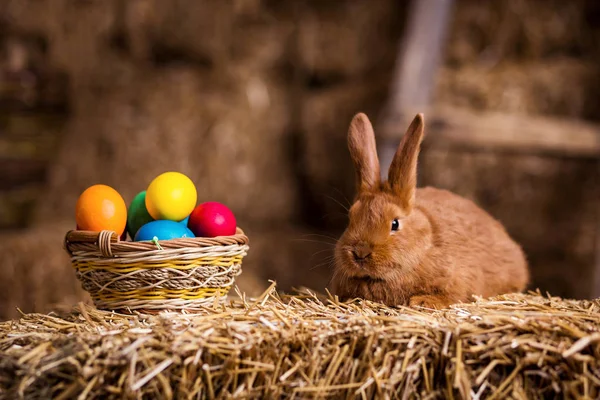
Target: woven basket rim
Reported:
[(109, 244)]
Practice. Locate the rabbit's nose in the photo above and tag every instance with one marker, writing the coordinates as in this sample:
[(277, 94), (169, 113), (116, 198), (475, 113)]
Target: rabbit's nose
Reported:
[(362, 251)]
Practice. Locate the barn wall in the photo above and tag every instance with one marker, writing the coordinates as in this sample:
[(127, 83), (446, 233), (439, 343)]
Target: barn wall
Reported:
[(252, 100)]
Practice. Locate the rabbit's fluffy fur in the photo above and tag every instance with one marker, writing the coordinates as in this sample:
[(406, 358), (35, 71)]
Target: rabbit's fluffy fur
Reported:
[(426, 246)]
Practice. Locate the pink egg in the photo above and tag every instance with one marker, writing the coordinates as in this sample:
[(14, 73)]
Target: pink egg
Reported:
[(212, 219)]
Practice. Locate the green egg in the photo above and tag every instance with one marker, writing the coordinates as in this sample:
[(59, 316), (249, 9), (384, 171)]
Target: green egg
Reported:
[(137, 215)]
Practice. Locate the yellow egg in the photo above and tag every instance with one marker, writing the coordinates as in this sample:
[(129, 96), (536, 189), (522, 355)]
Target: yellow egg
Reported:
[(172, 196)]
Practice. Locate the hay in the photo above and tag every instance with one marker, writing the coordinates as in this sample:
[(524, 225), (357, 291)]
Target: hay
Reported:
[(305, 346)]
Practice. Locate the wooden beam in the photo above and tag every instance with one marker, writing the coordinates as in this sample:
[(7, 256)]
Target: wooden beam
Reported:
[(419, 55), (449, 126)]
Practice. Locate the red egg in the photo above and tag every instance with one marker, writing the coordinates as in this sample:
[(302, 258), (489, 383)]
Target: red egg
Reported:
[(212, 219)]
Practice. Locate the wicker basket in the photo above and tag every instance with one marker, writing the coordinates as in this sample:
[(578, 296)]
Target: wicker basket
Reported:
[(178, 274)]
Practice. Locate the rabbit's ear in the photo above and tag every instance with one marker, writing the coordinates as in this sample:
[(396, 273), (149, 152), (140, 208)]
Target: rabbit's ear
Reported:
[(402, 175), (361, 143)]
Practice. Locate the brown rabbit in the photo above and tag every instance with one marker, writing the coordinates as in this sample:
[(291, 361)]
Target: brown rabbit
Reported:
[(425, 246)]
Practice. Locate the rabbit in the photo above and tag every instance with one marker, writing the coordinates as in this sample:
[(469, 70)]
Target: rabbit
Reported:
[(423, 247)]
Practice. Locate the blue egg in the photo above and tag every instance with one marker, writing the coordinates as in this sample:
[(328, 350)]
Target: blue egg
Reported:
[(185, 221), (163, 230)]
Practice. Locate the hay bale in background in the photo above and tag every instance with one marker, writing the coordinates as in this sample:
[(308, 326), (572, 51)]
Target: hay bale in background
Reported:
[(559, 87), (33, 104), (519, 30), (523, 56), (36, 274), (338, 42), (522, 346), (256, 82)]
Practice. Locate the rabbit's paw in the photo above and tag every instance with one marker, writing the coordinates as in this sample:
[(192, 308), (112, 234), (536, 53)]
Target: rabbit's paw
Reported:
[(429, 301)]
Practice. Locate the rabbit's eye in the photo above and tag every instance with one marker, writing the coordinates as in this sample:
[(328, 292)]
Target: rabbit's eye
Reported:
[(395, 224)]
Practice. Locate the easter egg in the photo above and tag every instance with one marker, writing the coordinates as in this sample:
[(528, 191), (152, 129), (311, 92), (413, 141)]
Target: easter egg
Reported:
[(163, 230), (212, 219), (138, 214), (172, 196), (101, 207)]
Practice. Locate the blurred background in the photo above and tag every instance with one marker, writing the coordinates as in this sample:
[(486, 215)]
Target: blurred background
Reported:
[(252, 100)]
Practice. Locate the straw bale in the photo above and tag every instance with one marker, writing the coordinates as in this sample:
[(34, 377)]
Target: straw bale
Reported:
[(35, 274), (523, 56), (523, 30), (338, 41), (252, 33), (176, 26), (561, 87), (75, 37), (153, 84), (309, 346)]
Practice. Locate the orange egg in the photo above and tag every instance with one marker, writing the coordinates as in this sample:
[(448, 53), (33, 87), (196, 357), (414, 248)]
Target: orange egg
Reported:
[(101, 207)]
